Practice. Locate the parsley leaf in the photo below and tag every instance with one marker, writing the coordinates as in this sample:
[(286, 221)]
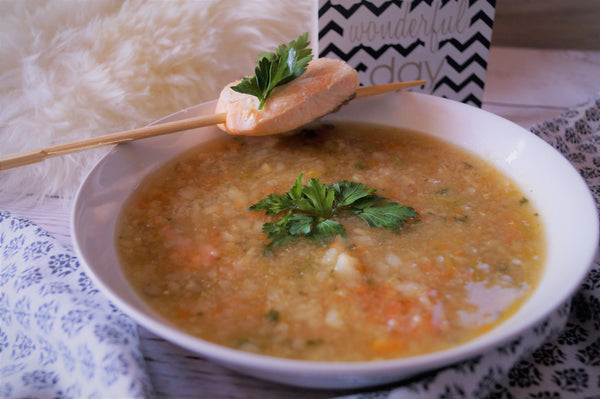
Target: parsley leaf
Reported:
[(308, 210), (347, 192), (275, 69), (390, 215)]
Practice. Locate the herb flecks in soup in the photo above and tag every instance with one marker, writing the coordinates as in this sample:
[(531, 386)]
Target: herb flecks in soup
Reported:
[(195, 252)]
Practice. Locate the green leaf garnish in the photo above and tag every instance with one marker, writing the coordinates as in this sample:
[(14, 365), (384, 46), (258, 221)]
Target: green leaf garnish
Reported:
[(275, 69), (307, 210)]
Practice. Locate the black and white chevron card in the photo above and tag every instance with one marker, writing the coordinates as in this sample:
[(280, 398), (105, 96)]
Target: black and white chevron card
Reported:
[(445, 42)]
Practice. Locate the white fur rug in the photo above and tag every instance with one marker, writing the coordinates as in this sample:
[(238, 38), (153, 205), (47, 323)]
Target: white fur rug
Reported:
[(70, 70)]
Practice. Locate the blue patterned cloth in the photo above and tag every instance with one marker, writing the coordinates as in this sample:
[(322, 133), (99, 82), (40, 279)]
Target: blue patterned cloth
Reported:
[(59, 337)]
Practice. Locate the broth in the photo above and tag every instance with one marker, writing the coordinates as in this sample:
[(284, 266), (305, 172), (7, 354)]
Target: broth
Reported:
[(195, 253)]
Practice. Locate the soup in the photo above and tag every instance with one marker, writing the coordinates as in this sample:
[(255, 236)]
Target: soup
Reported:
[(196, 254)]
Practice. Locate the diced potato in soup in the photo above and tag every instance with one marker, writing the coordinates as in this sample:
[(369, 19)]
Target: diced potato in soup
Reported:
[(196, 254)]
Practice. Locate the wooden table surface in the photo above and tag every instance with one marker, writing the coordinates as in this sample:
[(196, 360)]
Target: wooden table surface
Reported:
[(525, 86)]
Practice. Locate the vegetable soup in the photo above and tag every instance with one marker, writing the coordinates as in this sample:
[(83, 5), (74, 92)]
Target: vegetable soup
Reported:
[(467, 254)]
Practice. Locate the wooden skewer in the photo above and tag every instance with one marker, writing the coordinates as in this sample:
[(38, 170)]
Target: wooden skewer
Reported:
[(28, 157), (387, 87)]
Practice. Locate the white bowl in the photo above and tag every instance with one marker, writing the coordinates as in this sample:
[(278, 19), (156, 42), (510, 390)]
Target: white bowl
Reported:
[(550, 182)]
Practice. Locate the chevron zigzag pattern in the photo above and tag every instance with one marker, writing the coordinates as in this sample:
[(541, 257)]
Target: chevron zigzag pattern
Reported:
[(375, 53), (348, 12), (445, 42)]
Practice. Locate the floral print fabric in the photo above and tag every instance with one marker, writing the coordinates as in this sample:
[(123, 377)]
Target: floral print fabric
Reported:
[(59, 337)]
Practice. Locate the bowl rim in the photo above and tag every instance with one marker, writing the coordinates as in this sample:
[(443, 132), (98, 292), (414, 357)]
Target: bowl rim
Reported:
[(241, 358)]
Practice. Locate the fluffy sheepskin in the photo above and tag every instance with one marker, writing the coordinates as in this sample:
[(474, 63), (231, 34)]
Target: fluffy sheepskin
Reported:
[(70, 70)]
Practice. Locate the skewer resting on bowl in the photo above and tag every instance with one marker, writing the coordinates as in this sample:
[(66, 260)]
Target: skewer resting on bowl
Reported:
[(323, 88)]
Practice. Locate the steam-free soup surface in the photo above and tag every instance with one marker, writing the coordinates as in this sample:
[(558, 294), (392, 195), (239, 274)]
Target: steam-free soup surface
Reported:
[(196, 254)]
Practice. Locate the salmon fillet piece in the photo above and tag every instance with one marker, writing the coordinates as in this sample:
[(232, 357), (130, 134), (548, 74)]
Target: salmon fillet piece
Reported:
[(322, 88)]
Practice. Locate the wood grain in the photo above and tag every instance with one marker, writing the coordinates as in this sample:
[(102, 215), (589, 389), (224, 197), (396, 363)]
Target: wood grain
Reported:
[(547, 24)]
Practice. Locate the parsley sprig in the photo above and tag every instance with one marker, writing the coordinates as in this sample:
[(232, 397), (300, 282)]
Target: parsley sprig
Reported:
[(308, 210), (275, 69)]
